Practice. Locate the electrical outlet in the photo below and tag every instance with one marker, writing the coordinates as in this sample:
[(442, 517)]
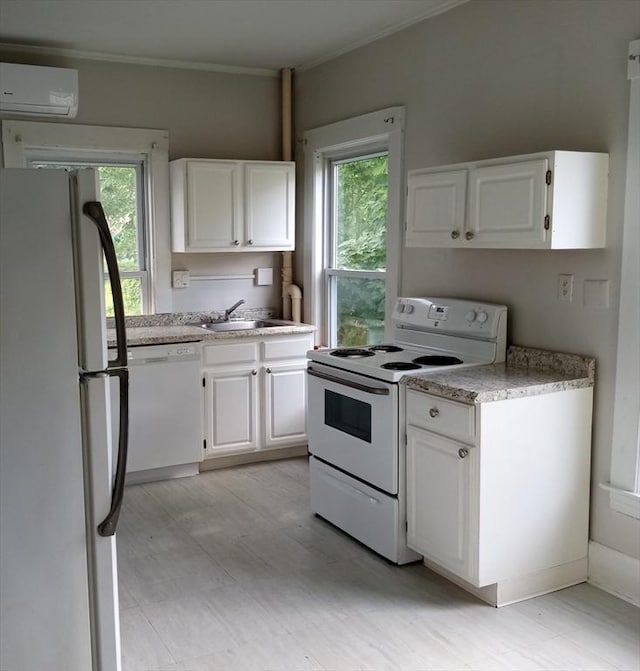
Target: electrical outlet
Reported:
[(181, 279), (565, 288)]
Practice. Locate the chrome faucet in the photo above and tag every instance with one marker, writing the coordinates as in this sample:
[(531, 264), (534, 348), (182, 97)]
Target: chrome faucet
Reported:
[(228, 311)]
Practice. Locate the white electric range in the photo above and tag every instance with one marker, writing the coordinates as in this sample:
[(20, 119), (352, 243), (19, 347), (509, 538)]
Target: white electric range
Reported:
[(355, 412)]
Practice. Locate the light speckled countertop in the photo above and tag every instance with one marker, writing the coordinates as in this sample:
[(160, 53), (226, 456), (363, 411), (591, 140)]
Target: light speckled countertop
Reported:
[(526, 372), (182, 327)]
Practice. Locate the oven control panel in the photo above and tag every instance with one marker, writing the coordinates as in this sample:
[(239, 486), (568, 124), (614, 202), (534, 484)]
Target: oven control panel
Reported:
[(450, 315)]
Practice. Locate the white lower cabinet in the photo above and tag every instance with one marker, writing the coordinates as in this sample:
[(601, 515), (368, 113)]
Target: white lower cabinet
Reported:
[(498, 492), (254, 394), (231, 410), (285, 393), (439, 499)]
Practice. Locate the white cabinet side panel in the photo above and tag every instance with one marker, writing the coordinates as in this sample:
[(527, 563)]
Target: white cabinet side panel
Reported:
[(534, 497)]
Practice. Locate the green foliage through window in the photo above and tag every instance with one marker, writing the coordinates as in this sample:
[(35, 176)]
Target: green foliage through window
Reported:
[(360, 231), (118, 195)]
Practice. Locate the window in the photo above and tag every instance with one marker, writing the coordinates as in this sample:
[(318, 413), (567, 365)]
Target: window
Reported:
[(356, 237), (353, 206), (122, 197), (133, 167)]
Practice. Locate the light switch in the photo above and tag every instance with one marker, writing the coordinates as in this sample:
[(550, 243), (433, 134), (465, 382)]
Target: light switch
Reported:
[(596, 293)]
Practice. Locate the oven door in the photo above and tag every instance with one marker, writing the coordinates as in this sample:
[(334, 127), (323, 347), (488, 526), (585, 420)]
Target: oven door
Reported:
[(352, 423)]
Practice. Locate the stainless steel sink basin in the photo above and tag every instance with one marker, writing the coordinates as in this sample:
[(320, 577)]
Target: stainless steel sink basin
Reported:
[(243, 324)]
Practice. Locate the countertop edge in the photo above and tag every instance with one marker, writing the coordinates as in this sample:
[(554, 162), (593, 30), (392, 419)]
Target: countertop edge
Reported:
[(170, 334)]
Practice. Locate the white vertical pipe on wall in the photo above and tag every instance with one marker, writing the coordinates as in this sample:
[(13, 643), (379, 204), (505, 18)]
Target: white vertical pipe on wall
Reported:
[(291, 294)]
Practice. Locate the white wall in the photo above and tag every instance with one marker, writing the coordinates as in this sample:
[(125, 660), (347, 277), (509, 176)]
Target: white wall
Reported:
[(208, 115), (495, 78)]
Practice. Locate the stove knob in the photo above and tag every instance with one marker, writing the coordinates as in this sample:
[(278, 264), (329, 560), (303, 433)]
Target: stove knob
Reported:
[(470, 316), (482, 316), (409, 309)]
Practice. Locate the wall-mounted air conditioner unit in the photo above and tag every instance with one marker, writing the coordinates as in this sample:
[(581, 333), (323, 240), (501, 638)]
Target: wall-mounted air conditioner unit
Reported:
[(34, 90)]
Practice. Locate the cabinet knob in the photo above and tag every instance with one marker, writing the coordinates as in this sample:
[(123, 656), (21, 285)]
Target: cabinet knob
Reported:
[(463, 452), (249, 242), (434, 412), (254, 372), (469, 235), (455, 235), (236, 242), (268, 370)]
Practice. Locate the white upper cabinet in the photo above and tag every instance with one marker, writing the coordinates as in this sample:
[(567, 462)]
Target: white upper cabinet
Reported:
[(232, 206), (553, 200), (436, 207), (269, 205)]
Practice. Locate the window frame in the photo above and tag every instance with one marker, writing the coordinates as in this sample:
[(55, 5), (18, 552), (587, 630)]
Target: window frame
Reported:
[(369, 134), (136, 161), (624, 486), (22, 140)]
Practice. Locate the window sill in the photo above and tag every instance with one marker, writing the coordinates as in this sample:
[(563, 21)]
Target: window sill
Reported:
[(623, 501)]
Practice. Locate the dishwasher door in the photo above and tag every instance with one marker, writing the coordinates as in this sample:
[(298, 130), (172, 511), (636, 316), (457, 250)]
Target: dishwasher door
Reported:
[(165, 432)]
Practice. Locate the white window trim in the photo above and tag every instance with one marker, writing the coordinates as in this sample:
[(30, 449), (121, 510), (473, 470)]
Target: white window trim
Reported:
[(625, 452), (20, 138), (378, 131)]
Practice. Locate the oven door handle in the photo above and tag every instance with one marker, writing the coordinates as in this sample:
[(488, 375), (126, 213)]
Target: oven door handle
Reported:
[(380, 391)]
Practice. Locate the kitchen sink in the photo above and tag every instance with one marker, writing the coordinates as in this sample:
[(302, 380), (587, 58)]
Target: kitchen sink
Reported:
[(244, 324)]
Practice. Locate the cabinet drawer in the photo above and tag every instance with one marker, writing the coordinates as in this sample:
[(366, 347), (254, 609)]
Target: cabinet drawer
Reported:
[(237, 353), (448, 418), (286, 348)]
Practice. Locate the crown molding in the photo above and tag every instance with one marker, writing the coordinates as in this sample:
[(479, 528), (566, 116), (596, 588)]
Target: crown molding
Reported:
[(445, 6), (138, 60)]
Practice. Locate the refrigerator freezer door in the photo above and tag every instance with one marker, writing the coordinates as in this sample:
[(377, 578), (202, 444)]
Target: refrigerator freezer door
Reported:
[(44, 583), (92, 328)]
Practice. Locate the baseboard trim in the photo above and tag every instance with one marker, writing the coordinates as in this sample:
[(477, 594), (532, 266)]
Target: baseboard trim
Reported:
[(214, 463), (166, 473), (614, 572), (522, 587)]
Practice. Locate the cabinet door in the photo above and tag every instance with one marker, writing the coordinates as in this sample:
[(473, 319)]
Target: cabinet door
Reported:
[(285, 393), (438, 499), (436, 208), (507, 205), (269, 205), (214, 205), (231, 411)]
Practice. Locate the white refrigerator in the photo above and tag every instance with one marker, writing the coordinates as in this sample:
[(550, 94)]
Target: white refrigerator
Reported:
[(59, 494)]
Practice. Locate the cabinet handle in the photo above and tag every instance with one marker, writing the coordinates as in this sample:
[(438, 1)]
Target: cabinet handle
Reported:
[(254, 372), (434, 412), (455, 235), (249, 242), (463, 452), (469, 235), (236, 242), (268, 370)]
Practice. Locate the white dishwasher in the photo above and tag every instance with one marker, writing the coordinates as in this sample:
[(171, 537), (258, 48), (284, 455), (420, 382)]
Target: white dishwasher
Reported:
[(165, 435)]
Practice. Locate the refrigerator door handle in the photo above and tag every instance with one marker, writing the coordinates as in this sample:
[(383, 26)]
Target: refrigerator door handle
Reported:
[(117, 366), (93, 210), (108, 526)]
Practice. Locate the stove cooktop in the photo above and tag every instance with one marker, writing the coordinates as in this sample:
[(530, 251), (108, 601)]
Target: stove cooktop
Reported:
[(391, 366), (429, 335)]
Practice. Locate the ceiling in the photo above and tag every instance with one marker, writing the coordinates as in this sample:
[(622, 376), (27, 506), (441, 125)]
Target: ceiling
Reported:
[(233, 34)]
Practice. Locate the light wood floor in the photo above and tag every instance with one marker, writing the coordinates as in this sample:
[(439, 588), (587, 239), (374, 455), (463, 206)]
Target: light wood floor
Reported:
[(228, 570)]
